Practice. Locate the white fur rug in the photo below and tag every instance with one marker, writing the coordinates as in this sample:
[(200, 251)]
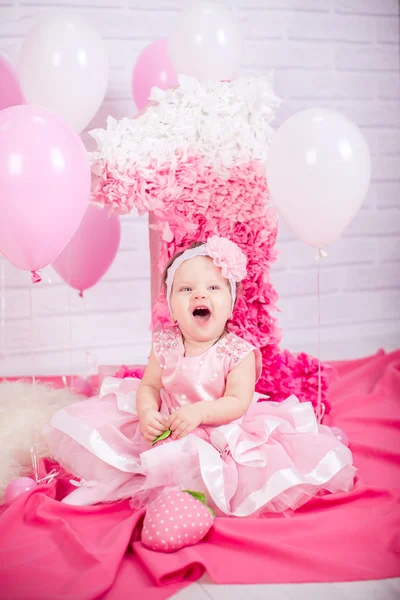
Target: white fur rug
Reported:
[(21, 405)]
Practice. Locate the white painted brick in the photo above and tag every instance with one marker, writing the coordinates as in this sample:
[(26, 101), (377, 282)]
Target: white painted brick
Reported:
[(367, 58), (388, 30), (374, 222), (153, 4), (134, 216), (124, 53), (385, 194), (367, 7), (364, 114), (58, 300), (131, 25), (351, 341), (16, 278), (81, 361), (386, 168), (292, 283), (307, 5), (274, 27), (388, 250), (286, 55), (9, 47), (248, 70), (343, 252), (383, 142), (325, 85), (119, 86), (128, 265), (368, 201), (16, 305), (284, 233), (388, 85), (355, 85), (344, 28), (371, 114), (282, 261), (370, 278), (355, 308), (134, 234), (75, 3), (296, 84), (95, 329), (111, 22), (15, 23), (347, 308)]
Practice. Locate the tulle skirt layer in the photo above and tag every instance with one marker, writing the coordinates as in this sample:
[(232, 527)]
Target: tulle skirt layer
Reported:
[(275, 459)]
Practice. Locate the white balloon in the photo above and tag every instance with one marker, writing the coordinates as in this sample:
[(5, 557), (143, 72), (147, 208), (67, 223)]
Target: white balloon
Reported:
[(63, 66), (318, 173), (205, 42)]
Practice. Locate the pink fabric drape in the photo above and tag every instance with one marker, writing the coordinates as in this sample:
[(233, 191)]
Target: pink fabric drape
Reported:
[(51, 550)]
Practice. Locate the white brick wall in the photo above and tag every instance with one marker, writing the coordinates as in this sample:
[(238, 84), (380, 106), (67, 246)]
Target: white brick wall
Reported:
[(337, 53)]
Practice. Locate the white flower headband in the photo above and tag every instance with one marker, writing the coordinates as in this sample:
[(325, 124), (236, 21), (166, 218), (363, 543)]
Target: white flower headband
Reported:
[(225, 254)]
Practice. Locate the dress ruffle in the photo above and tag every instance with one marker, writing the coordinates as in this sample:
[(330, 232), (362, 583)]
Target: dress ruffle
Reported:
[(275, 459)]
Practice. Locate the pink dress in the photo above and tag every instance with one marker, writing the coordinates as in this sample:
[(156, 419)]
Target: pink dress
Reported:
[(274, 458)]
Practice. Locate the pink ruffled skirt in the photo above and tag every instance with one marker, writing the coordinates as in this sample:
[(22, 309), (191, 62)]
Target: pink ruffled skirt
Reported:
[(274, 459)]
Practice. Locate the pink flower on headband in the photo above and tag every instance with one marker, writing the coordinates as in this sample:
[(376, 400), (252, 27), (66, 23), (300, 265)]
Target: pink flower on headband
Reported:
[(228, 256)]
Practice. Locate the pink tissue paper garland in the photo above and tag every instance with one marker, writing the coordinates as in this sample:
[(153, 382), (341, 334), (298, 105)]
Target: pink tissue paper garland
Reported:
[(189, 201)]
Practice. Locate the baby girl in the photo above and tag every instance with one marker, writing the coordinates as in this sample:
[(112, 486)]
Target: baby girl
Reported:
[(198, 392)]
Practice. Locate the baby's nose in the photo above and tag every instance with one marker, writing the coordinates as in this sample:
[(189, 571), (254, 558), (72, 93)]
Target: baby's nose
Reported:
[(199, 294)]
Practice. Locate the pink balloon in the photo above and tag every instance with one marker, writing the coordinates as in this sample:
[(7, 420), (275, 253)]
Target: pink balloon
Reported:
[(17, 487), (44, 185), (153, 68), (10, 89), (91, 250)]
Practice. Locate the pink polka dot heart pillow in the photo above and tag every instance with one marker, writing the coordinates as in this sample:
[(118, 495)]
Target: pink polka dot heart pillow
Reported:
[(175, 520)]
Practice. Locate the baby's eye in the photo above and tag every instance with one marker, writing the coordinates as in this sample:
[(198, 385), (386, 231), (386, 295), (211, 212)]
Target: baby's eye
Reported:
[(214, 287), (185, 289)]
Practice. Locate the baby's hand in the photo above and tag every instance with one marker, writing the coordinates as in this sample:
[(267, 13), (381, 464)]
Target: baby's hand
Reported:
[(185, 420), (152, 424)]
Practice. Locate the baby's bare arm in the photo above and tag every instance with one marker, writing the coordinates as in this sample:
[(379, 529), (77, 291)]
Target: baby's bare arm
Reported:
[(239, 391), (148, 395)]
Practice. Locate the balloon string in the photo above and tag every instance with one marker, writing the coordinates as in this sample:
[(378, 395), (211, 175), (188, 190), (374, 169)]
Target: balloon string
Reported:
[(319, 341), (34, 448), (320, 405), (86, 344), (2, 309), (91, 359), (34, 453), (69, 314)]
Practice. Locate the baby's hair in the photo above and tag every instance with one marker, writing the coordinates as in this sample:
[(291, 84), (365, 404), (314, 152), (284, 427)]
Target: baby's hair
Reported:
[(178, 254)]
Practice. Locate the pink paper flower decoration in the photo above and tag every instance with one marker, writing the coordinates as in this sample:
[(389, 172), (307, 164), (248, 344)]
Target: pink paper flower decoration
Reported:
[(228, 256)]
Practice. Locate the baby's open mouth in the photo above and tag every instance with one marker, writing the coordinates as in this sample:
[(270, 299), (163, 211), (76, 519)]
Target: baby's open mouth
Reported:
[(202, 314)]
